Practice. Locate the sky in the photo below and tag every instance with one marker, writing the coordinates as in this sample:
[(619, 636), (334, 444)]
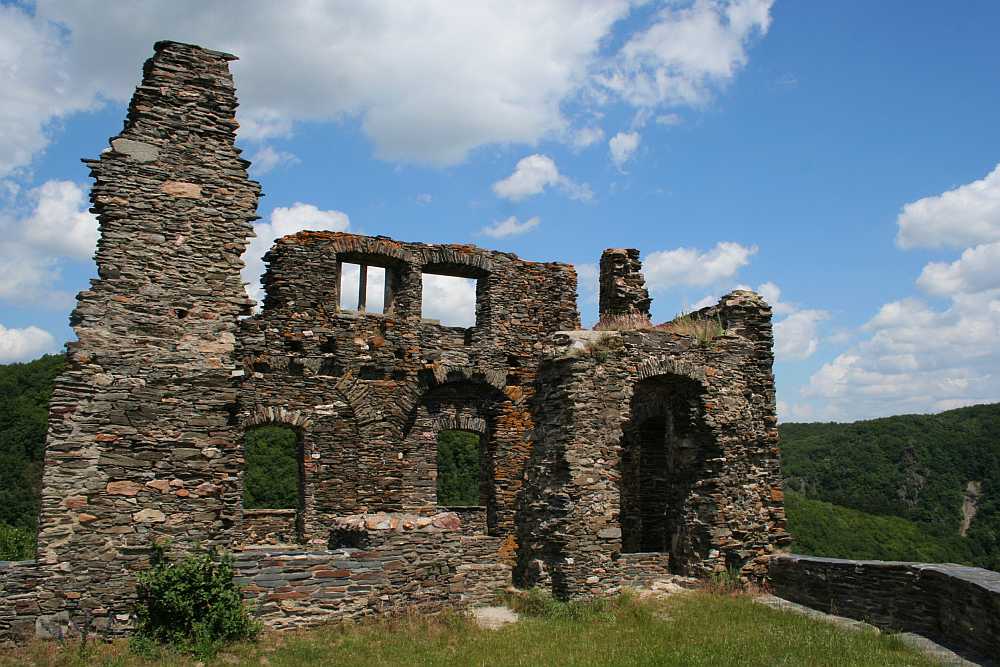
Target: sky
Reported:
[(840, 158)]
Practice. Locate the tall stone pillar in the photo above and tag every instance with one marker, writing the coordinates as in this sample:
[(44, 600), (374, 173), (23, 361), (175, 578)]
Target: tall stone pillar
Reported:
[(623, 287), (142, 442)]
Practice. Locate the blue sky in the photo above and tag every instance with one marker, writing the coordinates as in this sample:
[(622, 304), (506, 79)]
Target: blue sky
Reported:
[(838, 157)]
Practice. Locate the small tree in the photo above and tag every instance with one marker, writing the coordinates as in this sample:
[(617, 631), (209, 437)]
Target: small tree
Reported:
[(192, 603)]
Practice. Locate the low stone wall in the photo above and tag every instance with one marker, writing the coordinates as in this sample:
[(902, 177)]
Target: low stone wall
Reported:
[(641, 569), (19, 603), (425, 571), (954, 605), (269, 526)]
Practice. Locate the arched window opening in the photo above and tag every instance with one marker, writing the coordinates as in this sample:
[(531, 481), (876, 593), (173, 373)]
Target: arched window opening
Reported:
[(460, 469), (663, 450), (274, 476)]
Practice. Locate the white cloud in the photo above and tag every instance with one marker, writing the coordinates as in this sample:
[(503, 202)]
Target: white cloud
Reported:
[(510, 227), (587, 136), (60, 223), (24, 344), (267, 158), (37, 86), (690, 266), (424, 198), (588, 277), (918, 358), (967, 215), (449, 299), (56, 228), (976, 270), (428, 81), (796, 337), (669, 119), (704, 302), (772, 294), (686, 53), (623, 146), (285, 221), (532, 175)]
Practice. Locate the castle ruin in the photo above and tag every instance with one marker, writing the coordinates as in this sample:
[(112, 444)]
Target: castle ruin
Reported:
[(607, 458)]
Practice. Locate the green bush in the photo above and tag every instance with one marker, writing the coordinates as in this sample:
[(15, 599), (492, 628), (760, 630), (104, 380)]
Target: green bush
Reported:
[(16, 543), (192, 604)]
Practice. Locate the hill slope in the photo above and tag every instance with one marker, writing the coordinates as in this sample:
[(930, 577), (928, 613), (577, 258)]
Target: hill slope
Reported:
[(916, 467)]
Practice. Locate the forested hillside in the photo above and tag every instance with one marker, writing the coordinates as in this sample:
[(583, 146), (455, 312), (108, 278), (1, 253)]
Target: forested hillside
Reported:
[(916, 467), (25, 390)]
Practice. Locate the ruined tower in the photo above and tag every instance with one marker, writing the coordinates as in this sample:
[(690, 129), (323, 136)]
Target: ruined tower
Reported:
[(141, 442)]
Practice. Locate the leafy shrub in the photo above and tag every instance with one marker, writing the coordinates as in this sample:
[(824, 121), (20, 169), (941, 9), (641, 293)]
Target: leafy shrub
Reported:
[(16, 543), (192, 603)]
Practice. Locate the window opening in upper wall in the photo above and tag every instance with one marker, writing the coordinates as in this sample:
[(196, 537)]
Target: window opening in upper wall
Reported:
[(451, 300), (362, 287)]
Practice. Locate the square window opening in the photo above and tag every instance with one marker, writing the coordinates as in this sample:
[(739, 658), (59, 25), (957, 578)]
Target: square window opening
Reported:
[(362, 288), (451, 300)]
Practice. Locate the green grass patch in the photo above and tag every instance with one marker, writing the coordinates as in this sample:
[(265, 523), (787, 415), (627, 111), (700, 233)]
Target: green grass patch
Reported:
[(691, 630)]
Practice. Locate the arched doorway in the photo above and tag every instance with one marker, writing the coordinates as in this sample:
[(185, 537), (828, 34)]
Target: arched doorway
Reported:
[(664, 446)]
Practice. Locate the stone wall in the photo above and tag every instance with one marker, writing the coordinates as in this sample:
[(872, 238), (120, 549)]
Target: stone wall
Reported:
[(371, 391), (20, 603), (142, 444), (622, 286), (263, 526), (955, 605), (426, 567), (719, 505)]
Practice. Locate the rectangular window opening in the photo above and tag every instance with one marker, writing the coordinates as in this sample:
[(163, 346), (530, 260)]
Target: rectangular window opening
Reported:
[(362, 288), (451, 300)]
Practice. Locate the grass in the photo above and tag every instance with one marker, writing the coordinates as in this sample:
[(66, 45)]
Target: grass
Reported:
[(701, 628), (702, 329)]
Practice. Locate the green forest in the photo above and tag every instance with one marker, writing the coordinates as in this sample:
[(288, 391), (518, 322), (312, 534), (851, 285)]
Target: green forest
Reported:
[(890, 489)]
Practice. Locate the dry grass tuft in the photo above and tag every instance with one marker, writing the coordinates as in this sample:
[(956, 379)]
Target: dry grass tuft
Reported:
[(703, 329), (630, 322)]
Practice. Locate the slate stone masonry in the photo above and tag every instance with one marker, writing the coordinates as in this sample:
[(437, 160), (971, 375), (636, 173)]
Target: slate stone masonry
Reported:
[(606, 458), (955, 605)]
